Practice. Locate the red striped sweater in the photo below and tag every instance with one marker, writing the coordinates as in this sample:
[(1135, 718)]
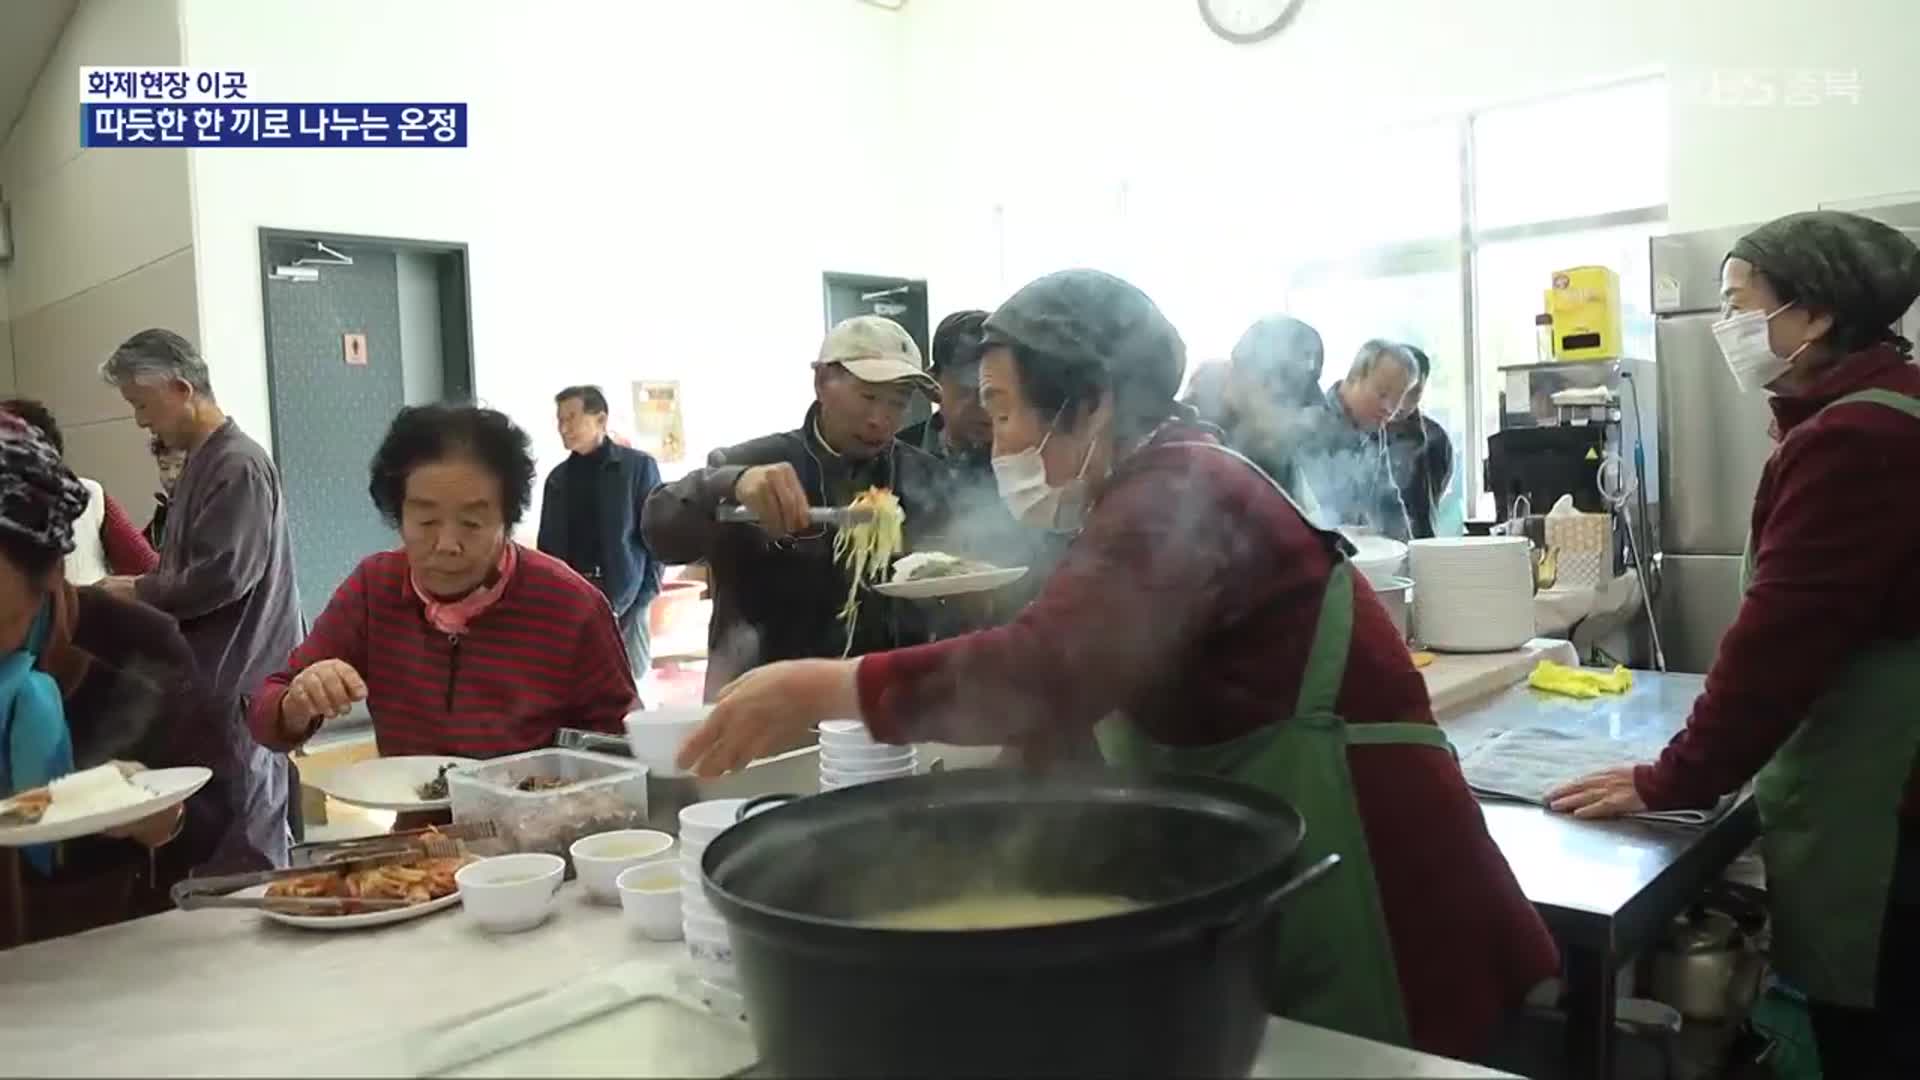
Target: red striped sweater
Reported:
[(546, 655)]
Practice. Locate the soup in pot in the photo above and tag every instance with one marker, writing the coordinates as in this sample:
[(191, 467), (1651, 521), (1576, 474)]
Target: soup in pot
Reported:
[(1002, 911)]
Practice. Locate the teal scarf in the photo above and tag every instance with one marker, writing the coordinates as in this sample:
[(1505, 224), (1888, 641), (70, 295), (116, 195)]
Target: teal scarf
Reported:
[(35, 745)]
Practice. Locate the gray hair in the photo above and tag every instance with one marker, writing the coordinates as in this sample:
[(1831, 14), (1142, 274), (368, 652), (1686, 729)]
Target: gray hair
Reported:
[(1379, 350), (158, 356)]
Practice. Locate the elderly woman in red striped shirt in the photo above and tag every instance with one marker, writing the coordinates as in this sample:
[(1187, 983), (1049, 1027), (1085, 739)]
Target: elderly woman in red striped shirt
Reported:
[(463, 641)]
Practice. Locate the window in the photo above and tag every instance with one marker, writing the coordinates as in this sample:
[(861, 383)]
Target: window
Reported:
[(1421, 308), (1511, 277), (1574, 180), (1442, 234)]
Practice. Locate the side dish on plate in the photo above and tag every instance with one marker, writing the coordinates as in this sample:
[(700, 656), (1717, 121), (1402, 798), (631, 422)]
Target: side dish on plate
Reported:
[(417, 881)]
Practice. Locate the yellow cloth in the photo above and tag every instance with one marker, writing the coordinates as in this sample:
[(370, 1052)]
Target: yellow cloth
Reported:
[(1579, 682)]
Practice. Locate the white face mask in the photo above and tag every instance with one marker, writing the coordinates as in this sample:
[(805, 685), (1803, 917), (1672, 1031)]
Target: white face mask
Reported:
[(1022, 480), (1742, 338)]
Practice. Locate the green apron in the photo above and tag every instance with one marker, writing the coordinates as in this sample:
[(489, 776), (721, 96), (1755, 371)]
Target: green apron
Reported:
[(1829, 804), (1333, 938)]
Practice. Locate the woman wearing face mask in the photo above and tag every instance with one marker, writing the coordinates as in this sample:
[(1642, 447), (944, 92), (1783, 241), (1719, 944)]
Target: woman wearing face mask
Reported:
[(1815, 692), (1197, 622)]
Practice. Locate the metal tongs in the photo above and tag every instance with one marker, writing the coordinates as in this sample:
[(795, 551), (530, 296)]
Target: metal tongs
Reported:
[(327, 852), (193, 894), (837, 516)]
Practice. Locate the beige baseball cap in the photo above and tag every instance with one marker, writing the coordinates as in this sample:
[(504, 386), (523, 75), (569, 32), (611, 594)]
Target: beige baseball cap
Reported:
[(875, 349)]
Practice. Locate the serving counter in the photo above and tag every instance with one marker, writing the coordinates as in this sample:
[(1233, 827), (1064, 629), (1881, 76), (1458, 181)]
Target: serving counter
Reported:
[(226, 993)]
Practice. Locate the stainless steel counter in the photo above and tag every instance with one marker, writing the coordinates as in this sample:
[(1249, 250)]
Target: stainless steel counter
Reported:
[(1606, 889)]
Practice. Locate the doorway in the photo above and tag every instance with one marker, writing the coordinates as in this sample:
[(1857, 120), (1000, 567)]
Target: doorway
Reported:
[(904, 300), (356, 327)]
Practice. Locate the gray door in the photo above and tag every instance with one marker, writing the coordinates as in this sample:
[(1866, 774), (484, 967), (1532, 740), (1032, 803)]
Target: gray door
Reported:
[(330, 414)]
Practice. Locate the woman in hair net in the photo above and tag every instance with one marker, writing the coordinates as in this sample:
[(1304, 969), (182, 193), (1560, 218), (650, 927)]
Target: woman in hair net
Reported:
[(1198, 623), (1815, 692)]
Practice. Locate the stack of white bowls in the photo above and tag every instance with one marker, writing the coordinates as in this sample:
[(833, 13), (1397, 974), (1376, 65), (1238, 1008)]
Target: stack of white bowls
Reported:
[(849, 756), (1473, 593), (705, 931)]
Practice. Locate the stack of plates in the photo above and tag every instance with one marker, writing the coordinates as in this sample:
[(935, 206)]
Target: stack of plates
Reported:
[(705, 931), (1472, 593), (849, 756)]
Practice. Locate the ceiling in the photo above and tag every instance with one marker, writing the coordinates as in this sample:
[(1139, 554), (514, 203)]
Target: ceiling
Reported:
[(28, 31)]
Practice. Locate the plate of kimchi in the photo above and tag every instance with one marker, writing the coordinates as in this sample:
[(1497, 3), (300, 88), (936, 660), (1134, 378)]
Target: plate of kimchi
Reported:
[(427, 885)]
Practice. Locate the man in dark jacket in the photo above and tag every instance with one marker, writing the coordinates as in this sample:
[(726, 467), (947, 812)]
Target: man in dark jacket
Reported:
[(777, 591), (590, 516), (1350, 474), (961, 431), (1420, 455)]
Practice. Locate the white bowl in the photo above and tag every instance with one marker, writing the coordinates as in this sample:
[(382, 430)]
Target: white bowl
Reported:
[(1376, 557), (650, 899), (510, 893), (844, 731), (866, 776), (600, 858), (703, 821), (655, 735), (873, 752)]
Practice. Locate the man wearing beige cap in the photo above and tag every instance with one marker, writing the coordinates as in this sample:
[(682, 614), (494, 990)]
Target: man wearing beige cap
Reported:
[(777, 592)]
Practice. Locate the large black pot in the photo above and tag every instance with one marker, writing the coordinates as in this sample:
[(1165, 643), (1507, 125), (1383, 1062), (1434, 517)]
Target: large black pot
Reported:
[(1175, 988)]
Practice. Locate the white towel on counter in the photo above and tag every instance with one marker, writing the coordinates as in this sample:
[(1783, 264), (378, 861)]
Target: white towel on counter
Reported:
[(1526, 763)]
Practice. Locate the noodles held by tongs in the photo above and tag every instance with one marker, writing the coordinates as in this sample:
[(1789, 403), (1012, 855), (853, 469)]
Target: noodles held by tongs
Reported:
[(866, 547)]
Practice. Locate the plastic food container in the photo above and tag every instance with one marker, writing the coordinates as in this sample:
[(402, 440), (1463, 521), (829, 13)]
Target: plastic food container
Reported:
[(602, 794)]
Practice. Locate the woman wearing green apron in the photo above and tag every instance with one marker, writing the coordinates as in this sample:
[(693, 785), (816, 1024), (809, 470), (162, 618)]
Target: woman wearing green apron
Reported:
[(1815, 693), (1197, 622)]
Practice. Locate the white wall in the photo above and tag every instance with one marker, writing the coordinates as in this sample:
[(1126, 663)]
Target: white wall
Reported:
[(756, 146), (1057, 104), (103, 245)]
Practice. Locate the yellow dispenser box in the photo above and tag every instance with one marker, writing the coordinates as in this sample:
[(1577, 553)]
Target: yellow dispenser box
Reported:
[(1585, 305)]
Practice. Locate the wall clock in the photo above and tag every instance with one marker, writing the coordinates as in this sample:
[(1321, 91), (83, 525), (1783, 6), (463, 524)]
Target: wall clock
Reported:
[(1244, 22)]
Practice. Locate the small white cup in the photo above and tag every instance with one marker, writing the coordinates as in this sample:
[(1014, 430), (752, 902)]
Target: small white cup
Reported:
[(833, 778), (655, 735), (703, 821), (650, 899), (873, 753), (599, 859), (510, 893)]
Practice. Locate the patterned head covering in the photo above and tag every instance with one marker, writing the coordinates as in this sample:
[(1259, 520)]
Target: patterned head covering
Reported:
[(1864, 272), (40, 498)]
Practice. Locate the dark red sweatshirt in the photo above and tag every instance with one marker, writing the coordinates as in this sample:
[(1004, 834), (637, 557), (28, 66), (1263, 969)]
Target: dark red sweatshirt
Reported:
[(546, 655), (1836, 542), (1188, 603)]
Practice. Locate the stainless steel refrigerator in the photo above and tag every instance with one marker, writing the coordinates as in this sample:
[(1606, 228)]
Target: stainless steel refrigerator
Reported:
[(1714, 439)]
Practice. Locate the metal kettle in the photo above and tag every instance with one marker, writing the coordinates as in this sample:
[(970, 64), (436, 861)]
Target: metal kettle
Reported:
[(1708, 967)]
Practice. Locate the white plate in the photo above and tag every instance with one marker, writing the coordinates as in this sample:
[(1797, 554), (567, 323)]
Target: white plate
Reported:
[(955, 585), (170, 787), (389, 783), (362, 921)]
